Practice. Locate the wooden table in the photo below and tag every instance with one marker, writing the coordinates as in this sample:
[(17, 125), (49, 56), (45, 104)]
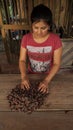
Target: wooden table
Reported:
[(61, 91)]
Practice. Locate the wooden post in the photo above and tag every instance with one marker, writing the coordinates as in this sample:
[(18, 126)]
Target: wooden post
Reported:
[(62, 12), (57, 12), (7, 51), (66, 16), (70, 18), (22, 9), (46, 2), (30, 7)]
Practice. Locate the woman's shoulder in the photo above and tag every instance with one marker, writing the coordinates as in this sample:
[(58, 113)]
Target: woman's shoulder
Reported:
[(54, 35), (56, 40), (28, 35)]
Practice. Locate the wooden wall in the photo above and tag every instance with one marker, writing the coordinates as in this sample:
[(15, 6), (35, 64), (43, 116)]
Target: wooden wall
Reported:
[(60, 9), (15, 16), (21, 9)]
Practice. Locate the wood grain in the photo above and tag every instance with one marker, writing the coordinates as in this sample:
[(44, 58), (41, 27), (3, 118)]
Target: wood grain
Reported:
[(61, 91)]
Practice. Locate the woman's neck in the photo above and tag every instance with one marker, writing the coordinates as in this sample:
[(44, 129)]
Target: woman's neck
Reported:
[(40, 39)]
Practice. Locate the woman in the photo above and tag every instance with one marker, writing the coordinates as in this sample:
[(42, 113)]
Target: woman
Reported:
[(43, 48)]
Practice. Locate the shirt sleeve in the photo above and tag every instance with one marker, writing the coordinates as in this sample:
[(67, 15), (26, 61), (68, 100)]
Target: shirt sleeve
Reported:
[(58, 43), (24, 41)]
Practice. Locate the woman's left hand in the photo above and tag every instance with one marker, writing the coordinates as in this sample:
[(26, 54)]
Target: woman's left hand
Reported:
[(43, 86)]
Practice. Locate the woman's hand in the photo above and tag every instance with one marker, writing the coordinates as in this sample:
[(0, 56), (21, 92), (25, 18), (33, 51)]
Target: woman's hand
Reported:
[(43, 86), (25, 83)]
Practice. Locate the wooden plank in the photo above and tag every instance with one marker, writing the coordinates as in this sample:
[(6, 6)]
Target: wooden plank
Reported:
[(46, 2), (36, 121), (22, 9), (29, 10), (56, 12), (7, 51), (16, 27), (40, 1), (67, 55), (62, 12), (61, 91)]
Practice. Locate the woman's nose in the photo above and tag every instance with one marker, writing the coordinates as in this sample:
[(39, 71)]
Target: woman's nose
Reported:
[(39, 31)]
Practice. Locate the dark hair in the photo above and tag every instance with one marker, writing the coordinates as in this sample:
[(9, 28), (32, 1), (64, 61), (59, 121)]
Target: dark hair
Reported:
[(41, 12)]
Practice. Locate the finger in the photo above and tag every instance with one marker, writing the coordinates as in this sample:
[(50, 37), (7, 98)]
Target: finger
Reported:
[(22, 86), (41, 89), (47, 91), (40, 86), (25, 85)]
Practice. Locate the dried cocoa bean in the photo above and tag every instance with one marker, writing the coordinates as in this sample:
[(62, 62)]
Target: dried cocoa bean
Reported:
[(26, 100)]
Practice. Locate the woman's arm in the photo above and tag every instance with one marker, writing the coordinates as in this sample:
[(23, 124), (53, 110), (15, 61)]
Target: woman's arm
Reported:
[(22, 67), (56, 65), (22, 62)]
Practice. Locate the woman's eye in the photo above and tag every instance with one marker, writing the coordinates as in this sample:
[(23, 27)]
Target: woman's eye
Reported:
[(43, 28), (36, 27)]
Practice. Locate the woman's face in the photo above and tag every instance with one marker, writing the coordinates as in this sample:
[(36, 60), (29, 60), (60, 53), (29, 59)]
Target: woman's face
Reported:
[(40, 29)]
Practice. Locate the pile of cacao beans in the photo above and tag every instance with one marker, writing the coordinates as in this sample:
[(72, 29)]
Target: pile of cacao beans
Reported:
[(26, 100)]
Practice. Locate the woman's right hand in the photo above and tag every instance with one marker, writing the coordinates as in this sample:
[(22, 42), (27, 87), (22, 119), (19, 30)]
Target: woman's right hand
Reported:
[(25, 83)]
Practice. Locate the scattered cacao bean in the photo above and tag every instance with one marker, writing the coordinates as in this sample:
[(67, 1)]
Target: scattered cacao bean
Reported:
[(26, 100)]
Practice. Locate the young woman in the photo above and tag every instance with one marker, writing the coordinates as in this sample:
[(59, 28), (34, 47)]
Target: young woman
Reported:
[(43, 48)]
